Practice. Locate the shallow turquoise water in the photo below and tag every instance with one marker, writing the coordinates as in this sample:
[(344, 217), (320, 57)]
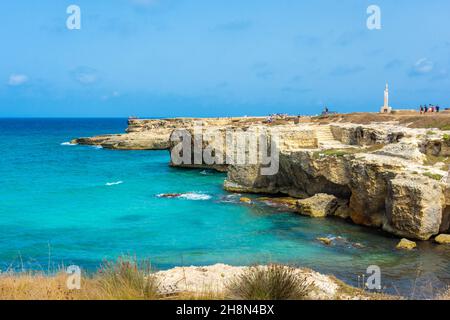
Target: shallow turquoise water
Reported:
[(56, 207)]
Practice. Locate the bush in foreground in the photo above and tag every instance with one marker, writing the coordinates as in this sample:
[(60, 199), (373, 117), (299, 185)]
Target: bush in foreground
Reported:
[(126, 279), (272, 282)]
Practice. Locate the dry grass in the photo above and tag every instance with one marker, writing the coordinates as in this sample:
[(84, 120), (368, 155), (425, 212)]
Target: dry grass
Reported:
[(36, 287), (412, 120), (125, 279), (274, 282)]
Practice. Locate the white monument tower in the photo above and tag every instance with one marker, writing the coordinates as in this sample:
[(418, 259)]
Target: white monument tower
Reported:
[(386, 108)]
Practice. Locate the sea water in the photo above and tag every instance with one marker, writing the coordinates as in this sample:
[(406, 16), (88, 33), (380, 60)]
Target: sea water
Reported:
[(63, 204)]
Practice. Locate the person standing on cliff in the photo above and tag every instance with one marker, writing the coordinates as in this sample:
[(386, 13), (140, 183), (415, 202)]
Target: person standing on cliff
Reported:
[(421, 109)]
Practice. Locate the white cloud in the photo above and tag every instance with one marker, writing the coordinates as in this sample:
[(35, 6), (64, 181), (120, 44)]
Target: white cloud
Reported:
[(17, 79), (422, 66)]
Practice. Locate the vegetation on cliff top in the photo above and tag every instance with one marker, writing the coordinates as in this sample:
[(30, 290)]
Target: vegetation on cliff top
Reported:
[(433, 176), (347, 151)]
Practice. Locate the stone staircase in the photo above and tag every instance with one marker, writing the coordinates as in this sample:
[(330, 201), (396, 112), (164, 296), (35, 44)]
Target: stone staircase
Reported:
[(325, 138)]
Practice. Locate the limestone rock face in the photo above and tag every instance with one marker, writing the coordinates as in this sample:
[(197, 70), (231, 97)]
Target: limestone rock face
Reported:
[(154, 134), (362, 135), (372, 189), (158, 140), (443, 239), (414, 206), (343, 210), (406, 244), (318, 206), (436, 146), (368, 182), (408, 151)]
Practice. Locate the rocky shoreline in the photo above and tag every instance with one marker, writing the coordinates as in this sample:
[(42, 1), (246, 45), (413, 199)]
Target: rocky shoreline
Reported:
[(212, 281), (388, 173)]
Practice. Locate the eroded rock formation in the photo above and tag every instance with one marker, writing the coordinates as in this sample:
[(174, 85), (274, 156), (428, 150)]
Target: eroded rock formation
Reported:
[(381, 175), (387, 187)]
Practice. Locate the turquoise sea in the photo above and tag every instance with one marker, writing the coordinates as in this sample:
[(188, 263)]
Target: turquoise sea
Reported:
[(65, 204)]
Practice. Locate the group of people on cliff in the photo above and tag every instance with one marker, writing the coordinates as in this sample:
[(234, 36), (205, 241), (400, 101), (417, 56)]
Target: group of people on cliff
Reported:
[(428, 109), (275, 116)]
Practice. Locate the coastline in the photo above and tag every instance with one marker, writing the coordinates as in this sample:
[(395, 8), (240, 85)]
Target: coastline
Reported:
[(309, 240), (186, 283), (365, 165)]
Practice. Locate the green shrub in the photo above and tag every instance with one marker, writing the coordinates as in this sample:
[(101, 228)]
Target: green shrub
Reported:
[(273, 282), (331, 153), (433, 176), (446, 137)]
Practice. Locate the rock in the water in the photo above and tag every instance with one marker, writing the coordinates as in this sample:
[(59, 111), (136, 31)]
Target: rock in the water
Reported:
[(169, 195), (317, 206), (283, 203), (443, 239), (326, 241), (414, 206), (406, 244), (245, 200)]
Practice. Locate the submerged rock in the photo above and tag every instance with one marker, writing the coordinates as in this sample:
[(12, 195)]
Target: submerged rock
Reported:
[(406, 244), (284, 202), (443, 239), (245, 200), (326, 241), (170, 195)]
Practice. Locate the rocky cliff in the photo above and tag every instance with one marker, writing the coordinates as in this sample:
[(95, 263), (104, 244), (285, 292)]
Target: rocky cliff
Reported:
[(382, 178), (379, 174), (154, 134)]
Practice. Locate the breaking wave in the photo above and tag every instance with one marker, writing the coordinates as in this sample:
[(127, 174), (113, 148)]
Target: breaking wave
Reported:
[(113, 183), (188, 196)]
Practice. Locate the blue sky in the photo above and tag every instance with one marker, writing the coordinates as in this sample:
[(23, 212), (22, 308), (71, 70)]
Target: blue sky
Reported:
[(215, 58)]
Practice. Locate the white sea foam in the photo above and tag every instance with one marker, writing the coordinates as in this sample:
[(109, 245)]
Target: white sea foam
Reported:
[(195, 196), (187, 196), (113, 183), (68, 144), (97, 147)]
